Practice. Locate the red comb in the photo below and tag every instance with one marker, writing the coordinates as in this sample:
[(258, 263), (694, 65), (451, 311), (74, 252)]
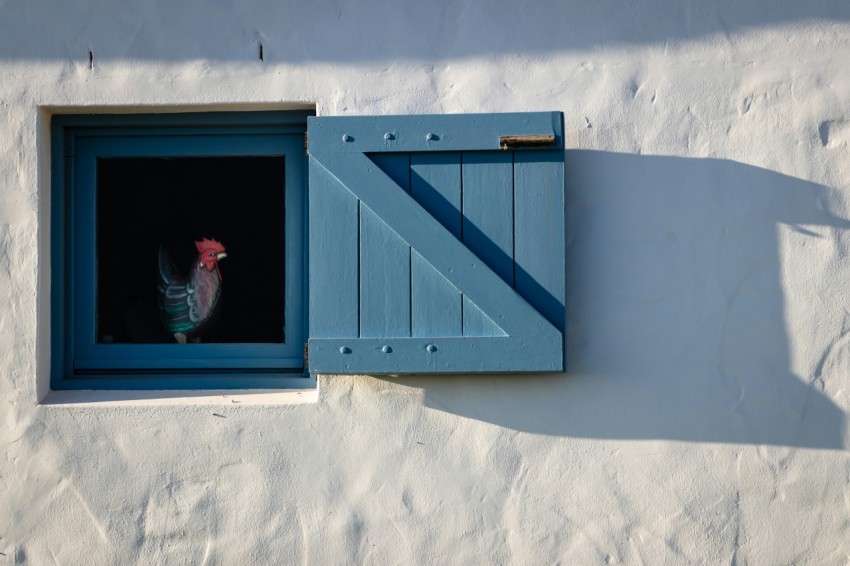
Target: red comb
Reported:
[(206, 245)]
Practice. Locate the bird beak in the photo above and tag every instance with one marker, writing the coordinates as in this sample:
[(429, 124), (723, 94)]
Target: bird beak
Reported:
[(220, 256)]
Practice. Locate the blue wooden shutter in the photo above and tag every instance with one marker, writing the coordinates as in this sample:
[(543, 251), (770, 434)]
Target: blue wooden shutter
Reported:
[(436, 243)]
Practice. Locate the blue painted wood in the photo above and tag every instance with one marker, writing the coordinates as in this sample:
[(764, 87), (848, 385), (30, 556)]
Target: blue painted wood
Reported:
[(296, 272), (384, 279), (195, 356), (488, 225), (436, 307), (77, 360), (83, 266), (526, 329), (476, 323), (435, 243), (450, 355), (429, 220), (540, 247), (488, 216), (436, 185), (449, 132), (385, 263), (334, 221), (396, 166)]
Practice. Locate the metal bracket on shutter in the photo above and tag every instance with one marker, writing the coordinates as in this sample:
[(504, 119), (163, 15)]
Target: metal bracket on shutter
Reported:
[(511, 142)]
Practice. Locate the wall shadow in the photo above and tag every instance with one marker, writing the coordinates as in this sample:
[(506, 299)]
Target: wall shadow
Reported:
[(374, 30), (675, 312)]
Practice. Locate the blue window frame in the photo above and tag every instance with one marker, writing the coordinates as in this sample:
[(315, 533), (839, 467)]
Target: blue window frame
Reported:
[(122, 184)]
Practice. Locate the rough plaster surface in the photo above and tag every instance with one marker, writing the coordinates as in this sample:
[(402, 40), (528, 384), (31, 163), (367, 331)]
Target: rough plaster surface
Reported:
[(703, 416)]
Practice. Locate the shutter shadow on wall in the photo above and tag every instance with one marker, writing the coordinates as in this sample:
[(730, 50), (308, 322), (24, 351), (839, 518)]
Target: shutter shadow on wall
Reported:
[(432, 248)]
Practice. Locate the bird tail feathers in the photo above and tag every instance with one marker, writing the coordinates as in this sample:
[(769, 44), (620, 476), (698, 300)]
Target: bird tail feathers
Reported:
[(167, 271)]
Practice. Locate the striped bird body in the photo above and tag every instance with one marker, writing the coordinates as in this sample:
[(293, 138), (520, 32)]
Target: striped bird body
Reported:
[(188, 303)]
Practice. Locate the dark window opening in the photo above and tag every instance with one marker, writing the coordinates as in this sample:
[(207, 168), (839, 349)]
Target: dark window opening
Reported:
[(145, 203)]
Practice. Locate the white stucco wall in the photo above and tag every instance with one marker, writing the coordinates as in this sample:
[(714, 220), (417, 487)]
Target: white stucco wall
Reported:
[(702, 419)]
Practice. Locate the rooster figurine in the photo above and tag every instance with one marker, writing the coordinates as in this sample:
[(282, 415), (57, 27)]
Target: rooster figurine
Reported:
[(188, 303)]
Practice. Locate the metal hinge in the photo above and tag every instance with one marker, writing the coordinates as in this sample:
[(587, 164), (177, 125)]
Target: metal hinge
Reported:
[(306, 355), (306, 144), (508, 142)]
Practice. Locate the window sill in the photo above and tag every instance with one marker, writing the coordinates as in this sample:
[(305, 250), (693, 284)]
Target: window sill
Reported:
[(215, 398)]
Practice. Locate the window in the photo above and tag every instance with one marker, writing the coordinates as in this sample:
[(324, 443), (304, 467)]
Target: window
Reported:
[(425, 244), (136, 201)]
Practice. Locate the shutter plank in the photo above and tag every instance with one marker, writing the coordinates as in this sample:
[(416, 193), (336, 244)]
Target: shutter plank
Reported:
[(333, 257), (539, 235), (436, 308), (396, 166), (436, 303), (384, 279), (435, 184), (488, 225), (488, 216), (476, 323)]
